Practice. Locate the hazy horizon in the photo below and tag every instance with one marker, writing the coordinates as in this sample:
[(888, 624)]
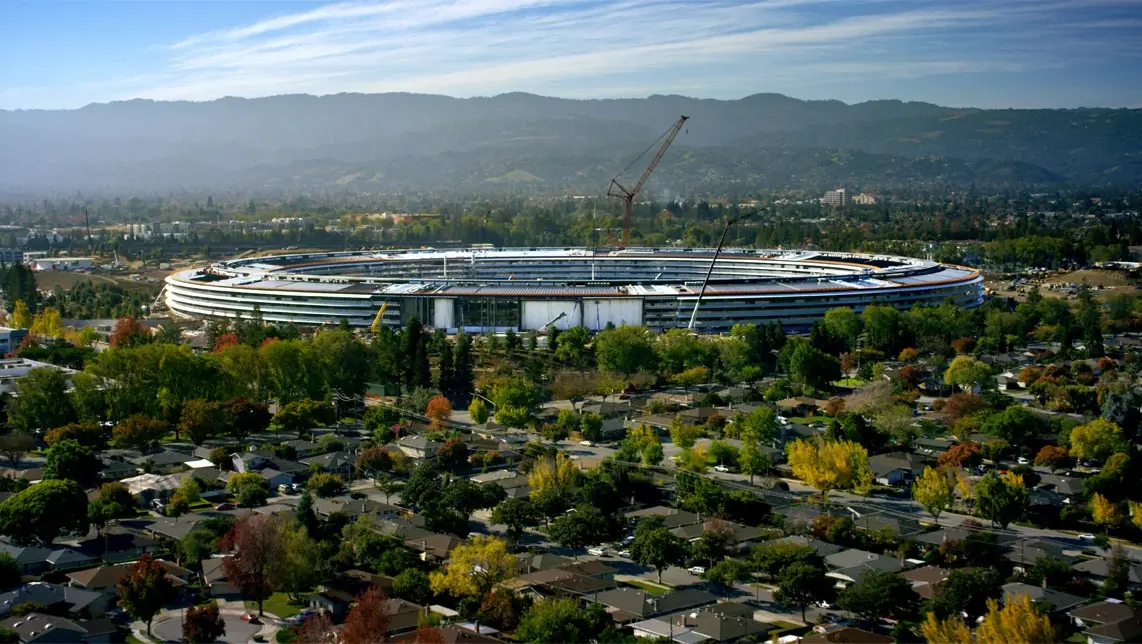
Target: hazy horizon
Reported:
[(962, 53)]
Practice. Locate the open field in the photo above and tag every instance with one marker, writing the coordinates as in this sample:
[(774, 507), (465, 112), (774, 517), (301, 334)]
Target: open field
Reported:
[(48, 280), (1092, 276)]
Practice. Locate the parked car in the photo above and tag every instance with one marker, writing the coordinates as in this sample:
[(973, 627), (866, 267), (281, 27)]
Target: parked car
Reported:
[(1086, 536), (1022, 460), (586, 443), (625, 554), (225, 506), (696, 570), (721, 468), (250, 618), (595, 552)]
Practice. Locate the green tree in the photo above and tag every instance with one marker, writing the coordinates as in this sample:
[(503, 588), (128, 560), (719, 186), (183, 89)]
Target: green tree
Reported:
[(298, 416), (139, 432), (70, 460), (965, 591), (9, 572), (843, 323), (516, 514), (751, 461), (561, 620), (879, 594), (202, 419), (325, 485), (572, 346), (478, 411), (1001, 499), (625, 350), (1096, 440), (967, 373), (813, 367), (655, 546), (728, 572), (802, 584), (584, 527), (773, 557), (145, 591), (412, 585), (300, 567), (41, 401)]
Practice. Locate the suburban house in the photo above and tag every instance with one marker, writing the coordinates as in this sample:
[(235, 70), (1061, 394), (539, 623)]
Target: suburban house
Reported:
[(418, 447), (106, 578), (1061, 602), (629, 604), (1099, 613), (214, 576), (513, 482), (333, 463), (1097, 570), (75, 602), (927, 580), (896, 468), (148, 487), (723, 622), (848, 566), (50, 629)]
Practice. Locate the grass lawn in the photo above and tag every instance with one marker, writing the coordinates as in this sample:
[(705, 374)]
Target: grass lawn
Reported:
[(785, 625), (805, 420), (650, 587), (849, 382), (131, 639), (278, 604)]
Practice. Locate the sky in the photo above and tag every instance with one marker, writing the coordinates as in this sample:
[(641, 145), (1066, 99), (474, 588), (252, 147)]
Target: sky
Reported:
[(984, 53)]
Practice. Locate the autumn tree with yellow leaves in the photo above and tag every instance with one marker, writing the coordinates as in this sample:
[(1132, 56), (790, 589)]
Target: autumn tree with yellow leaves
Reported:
[(830, 465), (475, 568), (945, 631), (558, 474), (935, 490), (1017, 621), (1105, 512)]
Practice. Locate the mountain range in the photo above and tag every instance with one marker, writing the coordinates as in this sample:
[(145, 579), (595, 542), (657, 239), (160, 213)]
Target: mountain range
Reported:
[(524, 142)]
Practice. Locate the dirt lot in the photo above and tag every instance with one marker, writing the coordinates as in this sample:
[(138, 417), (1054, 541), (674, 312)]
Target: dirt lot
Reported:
[(1094, 277), (48, 280), (1104, 283)]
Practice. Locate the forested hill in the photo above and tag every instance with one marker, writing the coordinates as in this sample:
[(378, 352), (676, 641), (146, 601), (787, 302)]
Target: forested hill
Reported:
[(394, 141)]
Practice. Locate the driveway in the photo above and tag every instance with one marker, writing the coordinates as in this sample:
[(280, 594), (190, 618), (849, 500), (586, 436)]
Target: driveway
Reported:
[(237, 631)]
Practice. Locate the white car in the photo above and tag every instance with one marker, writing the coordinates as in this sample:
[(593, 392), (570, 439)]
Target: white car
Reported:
[(586, 443), (721, 468), (1087, 536), (1022, 460), (696, 570), (625, 554), (596, 552)]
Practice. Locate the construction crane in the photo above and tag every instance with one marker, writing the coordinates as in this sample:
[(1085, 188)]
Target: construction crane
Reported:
[(376, 325), (618, 191)]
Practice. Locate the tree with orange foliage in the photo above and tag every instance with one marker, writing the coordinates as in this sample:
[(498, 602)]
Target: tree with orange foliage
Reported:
[(834, 406), (256, 542), (1053, 457), (963, 345), (225, 341), (317, 629), (961, 455), (429, 635), (439, 410), (961, 404), (129, 332), (908, 355), (368, 620)]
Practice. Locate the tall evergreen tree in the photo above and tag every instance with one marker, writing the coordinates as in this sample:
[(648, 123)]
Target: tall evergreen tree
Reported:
[(445, 380), (411, 337), (462, 369)]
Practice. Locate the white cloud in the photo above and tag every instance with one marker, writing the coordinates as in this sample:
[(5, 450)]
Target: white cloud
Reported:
[(589, 48)]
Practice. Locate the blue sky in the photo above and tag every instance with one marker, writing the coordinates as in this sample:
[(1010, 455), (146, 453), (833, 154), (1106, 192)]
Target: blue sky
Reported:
[(986, 53)]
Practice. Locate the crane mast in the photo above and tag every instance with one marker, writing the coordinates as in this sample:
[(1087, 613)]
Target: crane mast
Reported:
[(618, 191)]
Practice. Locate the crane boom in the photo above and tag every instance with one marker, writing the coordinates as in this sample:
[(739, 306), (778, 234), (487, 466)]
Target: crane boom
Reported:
[(617, 190)]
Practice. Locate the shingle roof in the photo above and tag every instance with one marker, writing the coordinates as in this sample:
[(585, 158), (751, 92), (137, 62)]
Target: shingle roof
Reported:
[(47, 594), (1103, 612)]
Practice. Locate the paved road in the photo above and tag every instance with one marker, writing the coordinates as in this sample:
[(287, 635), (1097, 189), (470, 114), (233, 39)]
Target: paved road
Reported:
[(237, 631)]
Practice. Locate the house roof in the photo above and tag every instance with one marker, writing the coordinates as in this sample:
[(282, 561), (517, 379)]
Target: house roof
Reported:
[(724, 622), (449, 635), (107, 576), (542, 561), (1060, 600), (643, 604), (212, 569), (36, 626), (823, 548), (882, 464), (1102, 612), (47, 594), (1101, 568), (417, 441), (846, 635), (593, 568), (25, 555), (1124, 630), (167, 457), (564, 580), (671, 517), (332, 459), (853, 557)]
